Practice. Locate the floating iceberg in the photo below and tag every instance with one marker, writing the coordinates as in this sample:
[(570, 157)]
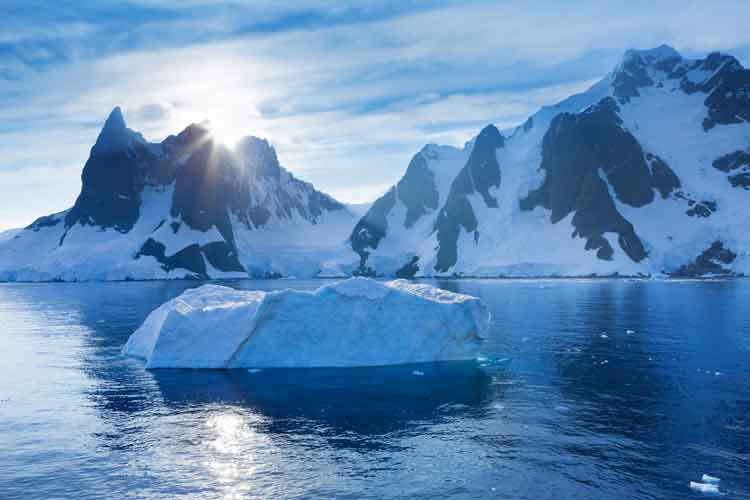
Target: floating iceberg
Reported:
[(708, 488), (710, 479), (356, 322)]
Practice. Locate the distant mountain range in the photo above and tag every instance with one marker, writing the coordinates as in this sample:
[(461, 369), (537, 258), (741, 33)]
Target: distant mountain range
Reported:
[(646, 173)]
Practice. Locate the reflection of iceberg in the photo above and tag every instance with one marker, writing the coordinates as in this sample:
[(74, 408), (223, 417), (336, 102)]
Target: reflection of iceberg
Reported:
[(357, 322), (368, 400)]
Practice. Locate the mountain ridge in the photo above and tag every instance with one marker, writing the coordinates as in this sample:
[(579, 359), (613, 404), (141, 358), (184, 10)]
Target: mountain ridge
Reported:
[(645, 173)]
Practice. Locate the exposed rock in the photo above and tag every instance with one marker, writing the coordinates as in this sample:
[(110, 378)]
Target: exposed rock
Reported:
[(578, 151), (702, 208), (663, 178), (113, 178), (711, 262), (372, 227), (481, 172), (417, 190), (409, 269)]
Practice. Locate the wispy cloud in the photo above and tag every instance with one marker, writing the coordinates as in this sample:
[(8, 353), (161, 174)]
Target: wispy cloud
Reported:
[(347, 92)]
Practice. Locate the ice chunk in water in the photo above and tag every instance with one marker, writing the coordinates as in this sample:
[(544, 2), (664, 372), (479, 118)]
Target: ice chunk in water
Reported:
[(708, 488)]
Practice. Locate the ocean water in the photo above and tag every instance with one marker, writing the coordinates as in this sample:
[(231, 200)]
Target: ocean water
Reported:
[(607, 389)]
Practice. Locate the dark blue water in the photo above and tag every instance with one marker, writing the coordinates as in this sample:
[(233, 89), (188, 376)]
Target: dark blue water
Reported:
[(616, 389)]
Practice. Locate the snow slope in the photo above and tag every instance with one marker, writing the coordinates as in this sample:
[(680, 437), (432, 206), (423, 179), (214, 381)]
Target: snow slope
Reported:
[(356, 322)]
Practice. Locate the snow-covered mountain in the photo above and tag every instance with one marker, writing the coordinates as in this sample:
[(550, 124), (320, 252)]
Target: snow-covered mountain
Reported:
[(185, 207), (645, 173)]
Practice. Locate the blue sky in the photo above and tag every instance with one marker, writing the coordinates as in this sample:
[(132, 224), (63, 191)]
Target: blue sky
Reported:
[(347, 92)]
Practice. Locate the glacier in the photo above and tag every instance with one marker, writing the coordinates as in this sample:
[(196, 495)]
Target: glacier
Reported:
[(350, 323)]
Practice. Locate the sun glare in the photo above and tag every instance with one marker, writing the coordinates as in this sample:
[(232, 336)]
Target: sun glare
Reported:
[(225, 131)]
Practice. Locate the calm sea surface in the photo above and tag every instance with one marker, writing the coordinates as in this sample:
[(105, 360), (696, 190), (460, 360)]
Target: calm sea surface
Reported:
[(614, 389)]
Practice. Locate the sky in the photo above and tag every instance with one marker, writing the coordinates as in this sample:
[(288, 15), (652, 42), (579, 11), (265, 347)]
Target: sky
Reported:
[(346, 92)]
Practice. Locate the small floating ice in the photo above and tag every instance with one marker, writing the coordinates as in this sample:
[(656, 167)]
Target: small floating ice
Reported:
[(630, 332), (707, 488), (356, 322), (604, 336), (418, 373), (710, 479)]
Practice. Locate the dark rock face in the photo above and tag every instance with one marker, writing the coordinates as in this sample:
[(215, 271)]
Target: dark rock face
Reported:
[(203, 189), (372, 227), (711, 261), (219, 254), (701, 208), (740, 180), (409, 269), (729, 102), (732, 162), (663, 178), (189, 258), (728, 89), (631, 75), (481, 172), (417, 190), (577, 151), (222, 256), (113, 178)]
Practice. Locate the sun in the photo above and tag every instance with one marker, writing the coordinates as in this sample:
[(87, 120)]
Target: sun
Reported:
[(225, 131)]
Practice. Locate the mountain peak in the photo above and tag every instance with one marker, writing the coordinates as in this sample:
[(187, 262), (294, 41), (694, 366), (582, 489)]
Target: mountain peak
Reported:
[(115, 135), (651, 56), (258, 155), (115, 120)]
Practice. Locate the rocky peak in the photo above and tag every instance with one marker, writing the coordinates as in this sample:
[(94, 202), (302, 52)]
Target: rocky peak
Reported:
[(190, 135), (258, 157), (652, 57), (115, 135), (639, 68)]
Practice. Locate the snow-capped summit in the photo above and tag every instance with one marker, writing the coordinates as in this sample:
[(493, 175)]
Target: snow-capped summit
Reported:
[(645, 173)]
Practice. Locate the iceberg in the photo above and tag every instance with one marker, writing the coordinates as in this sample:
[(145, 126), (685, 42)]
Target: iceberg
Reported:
[(710, 479), (707, 488), (355, 322)]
